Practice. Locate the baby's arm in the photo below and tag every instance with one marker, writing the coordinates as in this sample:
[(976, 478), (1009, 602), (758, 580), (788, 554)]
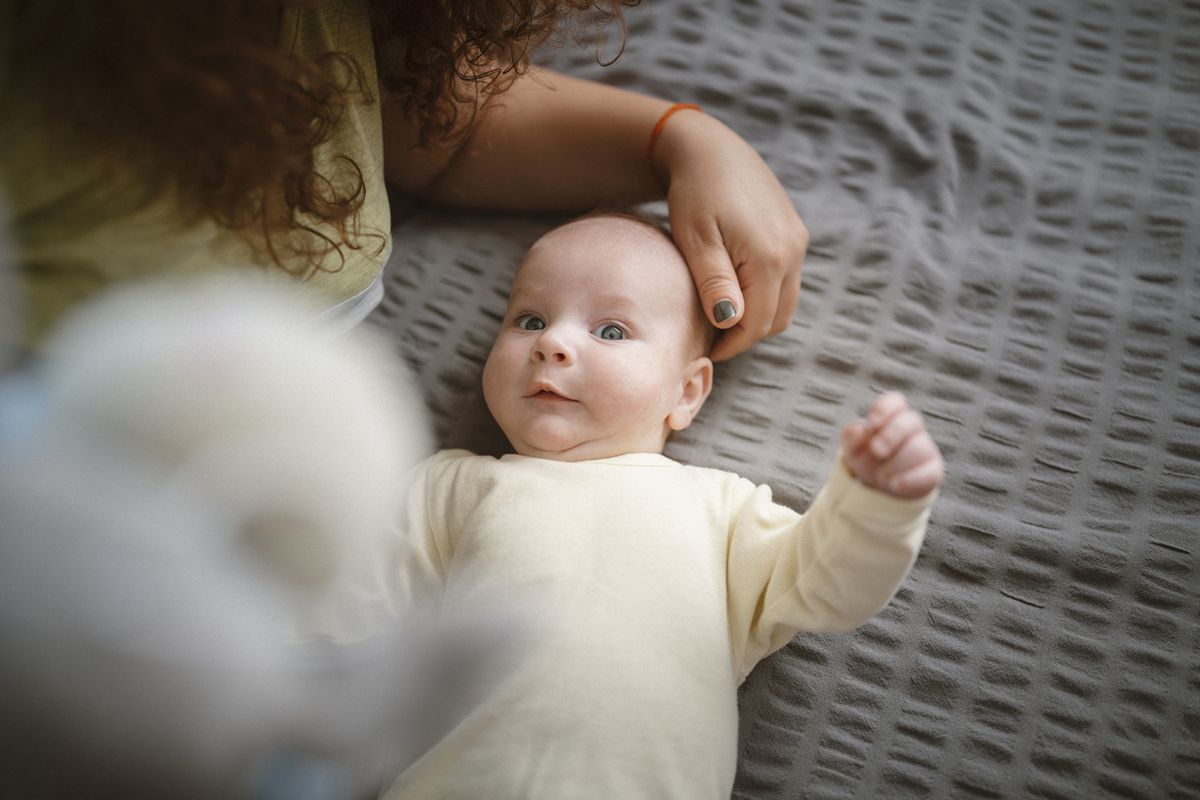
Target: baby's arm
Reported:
[(834, 566), (891, 451)]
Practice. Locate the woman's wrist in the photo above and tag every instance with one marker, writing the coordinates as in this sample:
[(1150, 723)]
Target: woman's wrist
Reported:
[(662, 122), (686, 134)]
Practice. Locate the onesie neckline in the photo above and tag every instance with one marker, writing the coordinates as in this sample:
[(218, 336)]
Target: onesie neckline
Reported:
[(623, 460)]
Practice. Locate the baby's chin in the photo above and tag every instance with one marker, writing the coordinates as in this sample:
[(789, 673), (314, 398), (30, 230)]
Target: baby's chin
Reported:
[(563, 443), (578, 451)]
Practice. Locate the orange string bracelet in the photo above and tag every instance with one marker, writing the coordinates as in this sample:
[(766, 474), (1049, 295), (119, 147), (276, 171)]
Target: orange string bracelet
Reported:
[(662, 121)]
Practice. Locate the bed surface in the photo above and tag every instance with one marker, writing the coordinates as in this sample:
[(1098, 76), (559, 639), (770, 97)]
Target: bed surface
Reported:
[(1004, 202)]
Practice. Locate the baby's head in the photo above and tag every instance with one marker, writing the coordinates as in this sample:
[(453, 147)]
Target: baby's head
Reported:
[(603, 349)]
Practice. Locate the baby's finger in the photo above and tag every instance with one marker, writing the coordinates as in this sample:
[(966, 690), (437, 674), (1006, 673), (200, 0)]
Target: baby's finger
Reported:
[(884, 407), (895, 431), (918, 481), (913, 452), (853, 437)]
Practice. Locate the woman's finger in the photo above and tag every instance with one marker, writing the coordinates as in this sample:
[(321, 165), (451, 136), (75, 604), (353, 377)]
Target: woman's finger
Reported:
[(713, 273)]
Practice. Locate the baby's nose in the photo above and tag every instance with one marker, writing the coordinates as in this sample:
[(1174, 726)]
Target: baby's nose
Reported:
[(551, 346)]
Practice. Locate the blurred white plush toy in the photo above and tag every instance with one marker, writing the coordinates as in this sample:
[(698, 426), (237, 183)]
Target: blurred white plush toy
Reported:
[(186, 478)]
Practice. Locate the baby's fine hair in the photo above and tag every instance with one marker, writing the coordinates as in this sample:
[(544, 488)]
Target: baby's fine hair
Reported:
[(702, 333)]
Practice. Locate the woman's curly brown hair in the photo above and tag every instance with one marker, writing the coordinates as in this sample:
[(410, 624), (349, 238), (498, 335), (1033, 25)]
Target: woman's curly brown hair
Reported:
[(197, 99), (441, 57)]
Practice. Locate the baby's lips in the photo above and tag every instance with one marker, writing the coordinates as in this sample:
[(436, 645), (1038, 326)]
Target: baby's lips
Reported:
[(545, 386)]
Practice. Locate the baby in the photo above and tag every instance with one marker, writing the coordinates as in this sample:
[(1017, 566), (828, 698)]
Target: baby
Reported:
[(661, 585)]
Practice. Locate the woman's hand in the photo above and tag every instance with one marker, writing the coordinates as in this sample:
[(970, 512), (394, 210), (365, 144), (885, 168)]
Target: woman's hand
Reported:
[(551, 142), (736, 226), (891, 451)]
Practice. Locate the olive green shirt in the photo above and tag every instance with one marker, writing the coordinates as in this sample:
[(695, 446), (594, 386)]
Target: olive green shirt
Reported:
[(72, 239)]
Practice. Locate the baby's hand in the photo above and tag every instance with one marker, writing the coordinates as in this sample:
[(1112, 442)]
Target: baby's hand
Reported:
[(891, 451)]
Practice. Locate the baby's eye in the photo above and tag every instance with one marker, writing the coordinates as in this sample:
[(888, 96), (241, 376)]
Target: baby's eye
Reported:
[(528, 322), (611, 332)]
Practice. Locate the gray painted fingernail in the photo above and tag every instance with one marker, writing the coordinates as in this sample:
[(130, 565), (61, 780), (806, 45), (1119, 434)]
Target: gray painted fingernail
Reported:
[(724, 309)]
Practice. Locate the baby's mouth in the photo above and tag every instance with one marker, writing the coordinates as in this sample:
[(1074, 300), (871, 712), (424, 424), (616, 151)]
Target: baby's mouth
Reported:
[(548, 393)]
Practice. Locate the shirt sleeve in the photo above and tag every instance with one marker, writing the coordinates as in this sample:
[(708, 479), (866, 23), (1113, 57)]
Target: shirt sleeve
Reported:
[(829, 569)]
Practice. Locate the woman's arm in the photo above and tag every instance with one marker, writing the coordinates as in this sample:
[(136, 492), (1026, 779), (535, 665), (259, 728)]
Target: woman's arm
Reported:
[(556, 143), (548, 143)]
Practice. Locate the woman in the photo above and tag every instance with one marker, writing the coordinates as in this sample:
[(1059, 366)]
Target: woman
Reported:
[(139, 138)]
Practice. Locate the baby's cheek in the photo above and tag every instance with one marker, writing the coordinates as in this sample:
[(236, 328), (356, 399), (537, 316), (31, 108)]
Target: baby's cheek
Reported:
[(641, 399), (609, 400)]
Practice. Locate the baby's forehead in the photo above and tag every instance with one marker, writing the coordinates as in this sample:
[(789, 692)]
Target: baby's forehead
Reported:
[(609, 256), (613, 226), (616, 241)]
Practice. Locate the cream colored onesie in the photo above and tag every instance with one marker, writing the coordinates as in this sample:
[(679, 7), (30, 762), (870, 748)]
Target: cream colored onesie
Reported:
[(663, 585)]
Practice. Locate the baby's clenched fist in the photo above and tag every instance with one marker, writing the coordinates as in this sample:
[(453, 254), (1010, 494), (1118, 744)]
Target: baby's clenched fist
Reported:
[(891, 451)]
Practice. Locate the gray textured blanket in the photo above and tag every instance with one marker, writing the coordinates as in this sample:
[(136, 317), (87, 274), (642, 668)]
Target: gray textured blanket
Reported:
[(1004, 199)]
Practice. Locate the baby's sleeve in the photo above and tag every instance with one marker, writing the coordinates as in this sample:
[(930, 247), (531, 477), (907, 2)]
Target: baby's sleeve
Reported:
[(829, 569)]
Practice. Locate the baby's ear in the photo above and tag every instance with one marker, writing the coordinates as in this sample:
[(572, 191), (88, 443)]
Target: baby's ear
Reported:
[(697, 383)]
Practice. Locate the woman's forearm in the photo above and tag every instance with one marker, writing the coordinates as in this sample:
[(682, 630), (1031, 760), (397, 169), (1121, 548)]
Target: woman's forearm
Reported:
[(550, 142)]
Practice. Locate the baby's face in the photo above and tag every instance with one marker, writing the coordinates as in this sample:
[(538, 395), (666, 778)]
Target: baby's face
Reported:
[(595, 352)]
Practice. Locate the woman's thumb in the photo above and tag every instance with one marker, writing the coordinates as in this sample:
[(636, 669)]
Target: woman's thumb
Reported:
[(717, 284)]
